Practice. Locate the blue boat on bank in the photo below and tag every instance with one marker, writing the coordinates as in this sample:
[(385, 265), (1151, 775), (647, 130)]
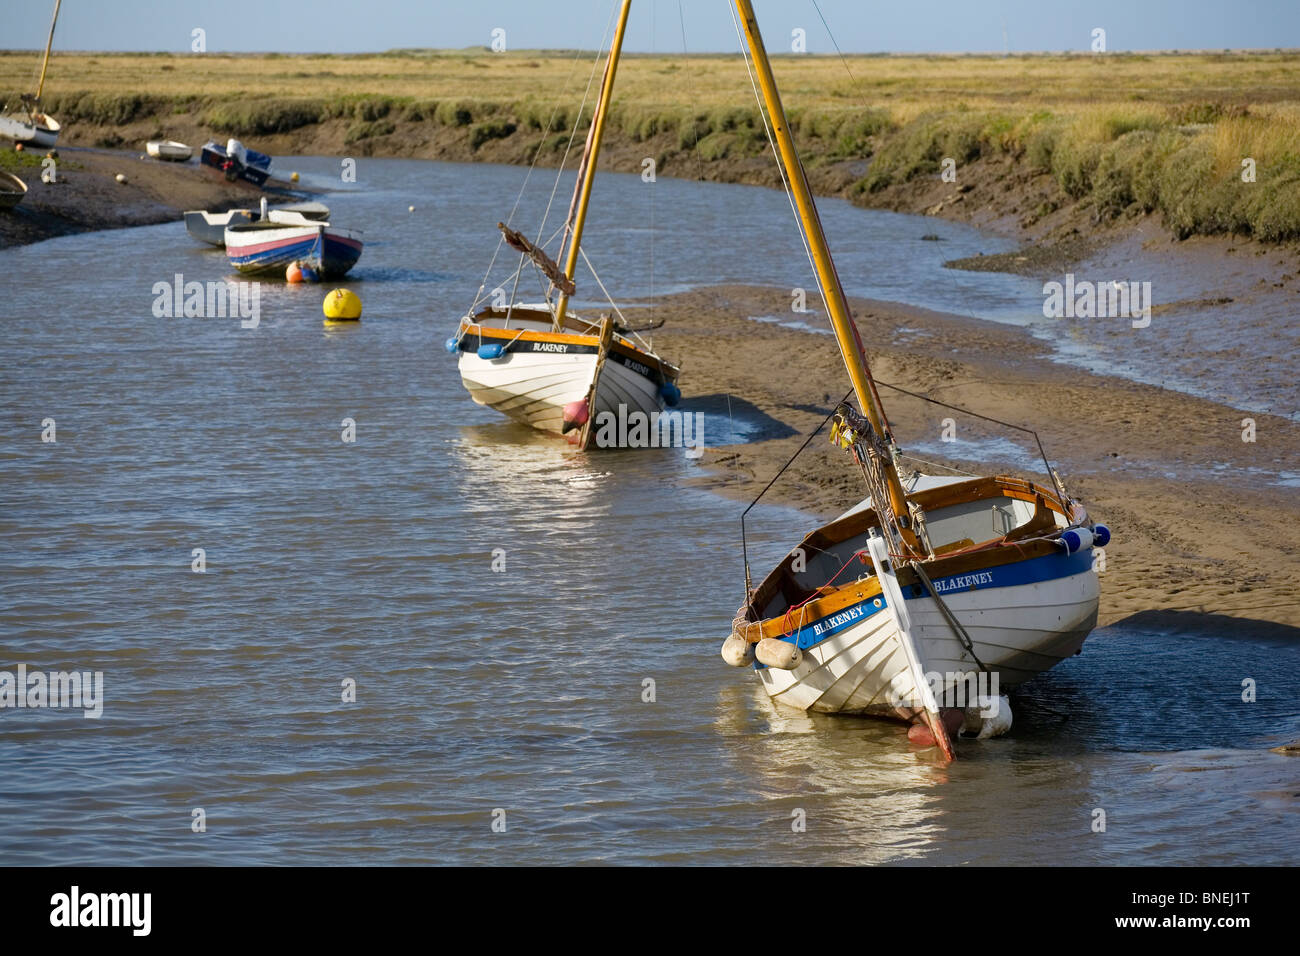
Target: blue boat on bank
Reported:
[(236, 161)]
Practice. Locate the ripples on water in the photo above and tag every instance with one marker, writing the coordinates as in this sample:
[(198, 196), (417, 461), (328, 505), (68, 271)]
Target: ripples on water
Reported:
[(476, 690)]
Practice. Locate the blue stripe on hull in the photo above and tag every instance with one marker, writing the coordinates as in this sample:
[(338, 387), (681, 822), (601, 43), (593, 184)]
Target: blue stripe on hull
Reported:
[(1049, 567), (337, 259), (270, 260)]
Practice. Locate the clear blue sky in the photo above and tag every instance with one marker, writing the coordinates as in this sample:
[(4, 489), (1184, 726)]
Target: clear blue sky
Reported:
[(294, 26)]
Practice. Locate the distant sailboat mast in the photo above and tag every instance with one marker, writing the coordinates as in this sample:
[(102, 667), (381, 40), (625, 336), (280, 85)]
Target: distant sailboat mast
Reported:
[(49, 44), (587, 168), (881, 465)]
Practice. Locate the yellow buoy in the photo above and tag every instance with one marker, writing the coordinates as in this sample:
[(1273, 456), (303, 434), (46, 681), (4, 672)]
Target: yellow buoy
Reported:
[(341, 305), (293, 178)]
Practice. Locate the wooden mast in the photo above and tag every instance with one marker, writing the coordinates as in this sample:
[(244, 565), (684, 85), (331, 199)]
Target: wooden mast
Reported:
[(846, 333), (587, 173), (40, 87)]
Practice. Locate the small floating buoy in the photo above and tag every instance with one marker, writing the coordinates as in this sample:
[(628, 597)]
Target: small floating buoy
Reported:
[(309, 274), (341, 305), (293, 177), (410, 209), (574, 415), (782, 655), (293, 273), (737, 651), (120, 178)]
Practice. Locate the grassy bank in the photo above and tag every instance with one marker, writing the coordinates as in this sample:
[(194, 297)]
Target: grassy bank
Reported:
[(1118, 135)]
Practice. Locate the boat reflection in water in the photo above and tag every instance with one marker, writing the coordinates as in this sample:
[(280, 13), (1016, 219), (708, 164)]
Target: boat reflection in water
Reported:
[(834, 789)]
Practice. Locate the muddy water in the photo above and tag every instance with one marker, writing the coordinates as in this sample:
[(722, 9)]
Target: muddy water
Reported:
[(578, 688)]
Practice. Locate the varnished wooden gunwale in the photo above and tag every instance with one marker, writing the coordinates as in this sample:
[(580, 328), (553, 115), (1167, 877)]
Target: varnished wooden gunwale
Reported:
[(838, 597), (619, 346), (991, 555)]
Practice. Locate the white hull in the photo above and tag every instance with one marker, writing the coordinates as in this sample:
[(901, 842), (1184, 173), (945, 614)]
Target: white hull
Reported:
[(23, 131), (169, 150), (534, 387), (1017, 631)]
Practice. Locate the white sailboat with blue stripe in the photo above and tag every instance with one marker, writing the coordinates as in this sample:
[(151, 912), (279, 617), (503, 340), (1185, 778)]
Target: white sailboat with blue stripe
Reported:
[(933, 594)]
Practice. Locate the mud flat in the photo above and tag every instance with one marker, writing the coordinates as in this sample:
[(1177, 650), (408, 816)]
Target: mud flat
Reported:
[(86, 194), (1199, 517)]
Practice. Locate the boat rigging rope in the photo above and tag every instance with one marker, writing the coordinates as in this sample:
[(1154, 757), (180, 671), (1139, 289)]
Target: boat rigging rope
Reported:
[(771, 141), (962, 637), (583, 253), (1021, 428), (478, 297), (573, 133), (744, 545)]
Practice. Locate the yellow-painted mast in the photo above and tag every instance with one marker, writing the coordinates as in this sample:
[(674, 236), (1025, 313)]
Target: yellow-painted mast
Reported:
[(588, 173), (845, 331), (40, 87)]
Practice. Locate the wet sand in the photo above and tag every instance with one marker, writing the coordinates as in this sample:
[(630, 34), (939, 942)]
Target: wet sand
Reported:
[(1194, 531)]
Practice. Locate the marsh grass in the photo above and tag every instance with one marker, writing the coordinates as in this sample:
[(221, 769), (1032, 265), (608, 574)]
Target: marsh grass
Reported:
[(1123, 132)]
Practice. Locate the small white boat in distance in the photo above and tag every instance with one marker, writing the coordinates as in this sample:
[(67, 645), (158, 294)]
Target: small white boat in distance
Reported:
[(169, 150), (12, 190), (36, 129), (210, 227), (30, 124)]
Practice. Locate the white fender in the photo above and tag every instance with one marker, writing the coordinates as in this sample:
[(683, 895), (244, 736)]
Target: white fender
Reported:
[(779, 654), (737, 651), (989, 717)]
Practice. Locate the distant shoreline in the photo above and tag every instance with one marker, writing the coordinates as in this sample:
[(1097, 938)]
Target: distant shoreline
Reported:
[(1067, 149)]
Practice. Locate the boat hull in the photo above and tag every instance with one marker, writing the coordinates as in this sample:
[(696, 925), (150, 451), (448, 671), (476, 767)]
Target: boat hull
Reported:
[(45, 133), (534, 380), (211, 227), (1022, 618), (268, 250), (169, 151), (255, 171), (12, 190)]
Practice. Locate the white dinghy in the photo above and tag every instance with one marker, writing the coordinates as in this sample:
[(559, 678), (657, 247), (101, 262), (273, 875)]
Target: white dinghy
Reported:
[(168, 150)]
